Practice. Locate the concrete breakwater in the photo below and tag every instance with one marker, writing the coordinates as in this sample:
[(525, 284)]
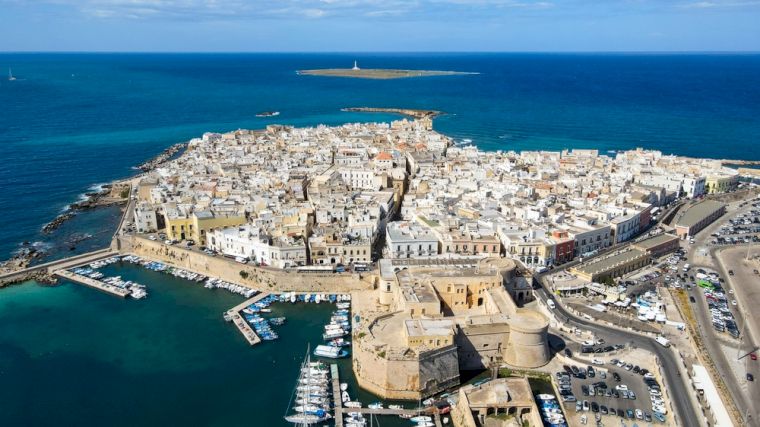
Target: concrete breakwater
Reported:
[(42, 272), (262, 279)]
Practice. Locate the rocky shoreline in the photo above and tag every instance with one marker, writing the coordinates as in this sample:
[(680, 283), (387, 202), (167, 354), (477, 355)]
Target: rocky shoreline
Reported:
[(116, 193), (96, 199), (39, 276), (163, 157)]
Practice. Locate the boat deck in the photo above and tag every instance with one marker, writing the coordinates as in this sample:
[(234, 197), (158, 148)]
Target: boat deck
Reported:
[(95, 284)]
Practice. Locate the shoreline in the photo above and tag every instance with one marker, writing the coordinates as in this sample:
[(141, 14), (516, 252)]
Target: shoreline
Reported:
[(109, 194), (409, 112), (379, 73), (106, 196)]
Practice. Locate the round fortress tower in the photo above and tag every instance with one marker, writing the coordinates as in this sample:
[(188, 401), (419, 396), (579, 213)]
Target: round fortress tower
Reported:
[(528, 346), (505, 266)]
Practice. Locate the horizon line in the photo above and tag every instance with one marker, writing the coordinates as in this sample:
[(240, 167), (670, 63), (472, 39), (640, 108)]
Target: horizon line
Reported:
[(347, 52)]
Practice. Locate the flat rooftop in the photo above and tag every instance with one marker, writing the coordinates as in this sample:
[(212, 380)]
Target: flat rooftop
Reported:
[(655, 241), (428, 327), (601, 265), (696, 213)]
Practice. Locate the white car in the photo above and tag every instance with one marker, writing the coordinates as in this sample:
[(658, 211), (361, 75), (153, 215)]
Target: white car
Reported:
[(597, 361), (621, 387), (734, 302)]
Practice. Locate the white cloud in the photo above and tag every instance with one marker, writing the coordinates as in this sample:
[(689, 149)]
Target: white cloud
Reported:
[(718, 4)]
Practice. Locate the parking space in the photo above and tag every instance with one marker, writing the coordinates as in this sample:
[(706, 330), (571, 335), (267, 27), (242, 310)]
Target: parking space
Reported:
[(742, 228), (611, 392)]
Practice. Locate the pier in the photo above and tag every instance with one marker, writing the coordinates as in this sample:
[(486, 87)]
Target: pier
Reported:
[(340, 410), (337, 401), (243, 326), (96, 284)]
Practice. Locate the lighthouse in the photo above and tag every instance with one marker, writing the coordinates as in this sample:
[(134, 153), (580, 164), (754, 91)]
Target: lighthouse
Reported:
[(356, 66)]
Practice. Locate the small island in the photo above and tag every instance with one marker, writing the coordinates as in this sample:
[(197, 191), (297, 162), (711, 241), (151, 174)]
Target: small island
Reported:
[(378, 73), (416, 114)]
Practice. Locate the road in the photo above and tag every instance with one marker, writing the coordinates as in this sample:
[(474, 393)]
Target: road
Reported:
[(678, 391), (715, 342)]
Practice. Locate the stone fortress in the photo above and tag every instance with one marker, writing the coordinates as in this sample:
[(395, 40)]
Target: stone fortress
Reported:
[(425, 323)]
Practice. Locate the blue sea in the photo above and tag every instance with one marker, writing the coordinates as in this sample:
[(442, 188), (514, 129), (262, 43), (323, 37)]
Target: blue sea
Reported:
[(72, 356), (71, 121)]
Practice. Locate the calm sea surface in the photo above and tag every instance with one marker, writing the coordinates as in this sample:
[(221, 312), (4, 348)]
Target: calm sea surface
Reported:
[(73, 356)]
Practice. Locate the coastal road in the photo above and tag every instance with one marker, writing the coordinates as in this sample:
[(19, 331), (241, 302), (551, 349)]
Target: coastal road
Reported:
[(679, 392), (731, 364)]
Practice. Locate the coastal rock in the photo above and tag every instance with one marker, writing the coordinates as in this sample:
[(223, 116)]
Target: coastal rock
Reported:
[(163, 157)]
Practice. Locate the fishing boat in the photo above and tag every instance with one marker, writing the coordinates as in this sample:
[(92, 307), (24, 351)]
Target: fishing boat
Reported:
[(375, 405), (339, 342), (334, 333), (330, 352), (268, 114), (277, 321)]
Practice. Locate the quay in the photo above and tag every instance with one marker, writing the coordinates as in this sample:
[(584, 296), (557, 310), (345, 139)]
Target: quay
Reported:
[(243, 326), (337, 401), (96, 284)]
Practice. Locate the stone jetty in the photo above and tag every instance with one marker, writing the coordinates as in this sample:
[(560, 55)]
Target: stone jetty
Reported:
[(163, 157)]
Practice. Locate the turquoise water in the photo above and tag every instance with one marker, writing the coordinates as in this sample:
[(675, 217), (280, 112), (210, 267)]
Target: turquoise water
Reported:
[(70, 355)]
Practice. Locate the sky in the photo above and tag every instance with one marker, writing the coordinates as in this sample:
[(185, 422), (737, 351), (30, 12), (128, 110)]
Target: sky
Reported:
[(379, 25)]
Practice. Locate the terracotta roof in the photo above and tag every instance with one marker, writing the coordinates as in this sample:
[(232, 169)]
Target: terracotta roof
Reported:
[(384, 156)]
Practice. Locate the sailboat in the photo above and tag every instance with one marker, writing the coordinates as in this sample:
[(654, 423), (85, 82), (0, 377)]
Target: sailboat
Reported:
[(10, 75), (312, 383)]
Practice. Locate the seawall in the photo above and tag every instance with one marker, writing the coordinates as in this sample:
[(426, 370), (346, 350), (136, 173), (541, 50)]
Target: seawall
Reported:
[(263, 279)]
